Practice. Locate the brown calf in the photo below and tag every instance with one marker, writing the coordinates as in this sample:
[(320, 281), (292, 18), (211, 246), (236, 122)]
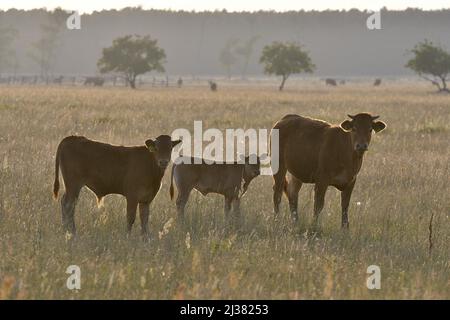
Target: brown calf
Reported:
[(314, 151), (228, 179), (134, 172)]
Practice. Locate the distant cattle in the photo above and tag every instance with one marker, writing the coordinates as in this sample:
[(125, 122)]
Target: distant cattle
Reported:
[(179, 82), (134, 172), (330, 82), (228, 179), (58, 80), (95, 81), (314, 151), (73, 80), (377, 82), (342, 82), (213, 86)]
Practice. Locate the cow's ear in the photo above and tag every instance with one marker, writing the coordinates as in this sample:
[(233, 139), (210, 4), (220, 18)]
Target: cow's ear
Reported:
[(347, 125), (378, 126), (174, 143), (151, 145)]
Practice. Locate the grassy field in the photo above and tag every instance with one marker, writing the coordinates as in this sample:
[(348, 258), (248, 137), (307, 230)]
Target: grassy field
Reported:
[(405, 179)]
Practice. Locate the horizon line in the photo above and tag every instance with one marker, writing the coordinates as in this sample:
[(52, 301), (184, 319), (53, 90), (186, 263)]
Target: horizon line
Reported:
[(223, 10)]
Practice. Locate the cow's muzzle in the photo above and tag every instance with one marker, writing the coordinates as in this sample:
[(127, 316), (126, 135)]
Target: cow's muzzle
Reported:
[(163, 164), (361, 147)]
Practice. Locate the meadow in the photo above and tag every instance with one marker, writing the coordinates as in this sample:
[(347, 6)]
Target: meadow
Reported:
[(404, 181)]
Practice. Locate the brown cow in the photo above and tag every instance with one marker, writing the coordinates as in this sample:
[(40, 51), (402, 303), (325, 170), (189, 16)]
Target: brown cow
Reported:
[(95, 81), (212, 85), (228, 179), (330, 82), (134, 172), (314, 151)]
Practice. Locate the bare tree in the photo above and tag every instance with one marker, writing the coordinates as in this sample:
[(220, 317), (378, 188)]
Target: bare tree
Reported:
[(44, 49), (227, 56), (245, 50), (8, 56)]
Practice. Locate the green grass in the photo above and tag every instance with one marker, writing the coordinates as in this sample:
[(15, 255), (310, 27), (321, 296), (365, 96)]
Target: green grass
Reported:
[(404, 179)]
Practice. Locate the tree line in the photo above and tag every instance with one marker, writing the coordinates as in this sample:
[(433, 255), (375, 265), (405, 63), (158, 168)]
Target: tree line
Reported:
[(194, 42), (282, 58)]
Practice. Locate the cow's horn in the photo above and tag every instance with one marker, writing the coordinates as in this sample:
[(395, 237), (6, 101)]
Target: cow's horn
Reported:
[(351, 117), (375, 117)]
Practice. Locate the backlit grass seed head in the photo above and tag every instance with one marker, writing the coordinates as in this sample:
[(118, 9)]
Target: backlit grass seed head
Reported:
[(5, 163), (68, 236), (187, 241), (166, 228)]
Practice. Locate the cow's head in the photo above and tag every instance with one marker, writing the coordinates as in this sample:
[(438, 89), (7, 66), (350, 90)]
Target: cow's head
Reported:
[(161, 148), (361, 126), (252, 166)]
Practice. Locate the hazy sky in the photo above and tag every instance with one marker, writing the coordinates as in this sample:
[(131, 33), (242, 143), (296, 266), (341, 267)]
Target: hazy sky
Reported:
[(230, 5)]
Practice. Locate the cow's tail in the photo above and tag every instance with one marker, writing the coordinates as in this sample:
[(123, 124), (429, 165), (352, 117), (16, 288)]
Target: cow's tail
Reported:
[(56, 183), (171, 191)]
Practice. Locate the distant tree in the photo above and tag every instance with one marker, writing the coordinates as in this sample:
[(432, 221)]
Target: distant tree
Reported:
[(284, 59), (8, 56), (432, 63), (227, 55), (246, 50), (132, 56), (44, 49)]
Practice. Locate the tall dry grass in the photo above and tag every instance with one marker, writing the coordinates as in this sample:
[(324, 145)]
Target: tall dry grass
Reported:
[(404, 179)]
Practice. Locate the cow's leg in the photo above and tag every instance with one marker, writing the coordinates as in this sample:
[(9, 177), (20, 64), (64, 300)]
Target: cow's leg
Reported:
[(278, 186), (131, 213), (182, 199), (68, 202), (144, 211), (236, 205), (227, 206), (345, 200), (319, 198), (292, 189)]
